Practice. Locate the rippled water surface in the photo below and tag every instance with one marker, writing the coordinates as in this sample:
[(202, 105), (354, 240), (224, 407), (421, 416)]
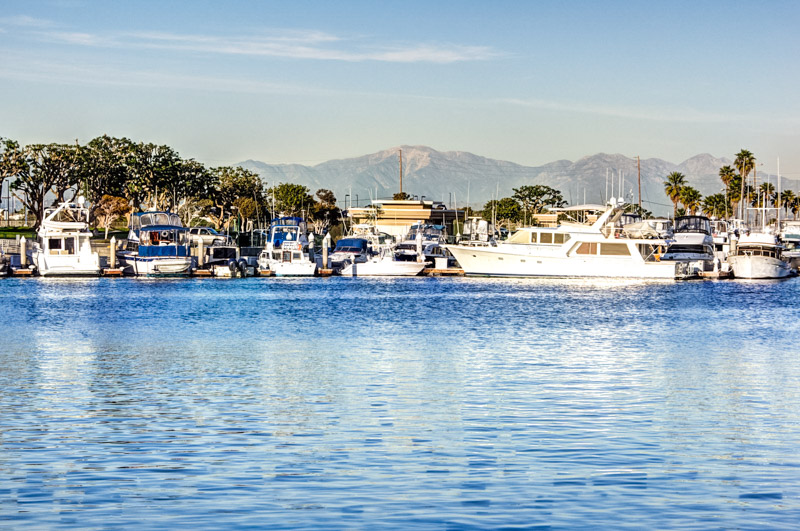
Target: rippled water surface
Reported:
[(427, 403)]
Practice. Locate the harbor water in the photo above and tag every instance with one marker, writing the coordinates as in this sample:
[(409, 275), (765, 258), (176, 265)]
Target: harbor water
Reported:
[(432, 403)]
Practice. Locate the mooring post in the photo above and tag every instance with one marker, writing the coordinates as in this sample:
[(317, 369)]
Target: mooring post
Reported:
[(326, 241), (201, 252), (23, 256), (112, 250)]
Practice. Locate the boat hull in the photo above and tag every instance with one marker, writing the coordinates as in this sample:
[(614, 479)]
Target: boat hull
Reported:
[(293, 269), (744, 266), (156, 266), (383, 268), (495, 261), (79, 265)]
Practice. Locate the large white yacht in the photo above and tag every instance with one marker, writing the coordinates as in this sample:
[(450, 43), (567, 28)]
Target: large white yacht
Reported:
[(758, 255), (64, 245), (570, 250)]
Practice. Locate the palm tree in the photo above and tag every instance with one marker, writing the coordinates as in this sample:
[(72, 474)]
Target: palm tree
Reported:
[(715, 205), (745, 162), (766, 194), (672, 186), (727, 174), (691, 199), (787, 198)]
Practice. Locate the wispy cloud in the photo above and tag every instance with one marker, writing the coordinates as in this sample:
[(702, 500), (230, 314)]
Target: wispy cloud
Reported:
[(287, 44), (24, 21), (636, 113)]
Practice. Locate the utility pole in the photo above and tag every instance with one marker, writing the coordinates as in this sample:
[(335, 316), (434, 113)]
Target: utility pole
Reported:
[(400, 156), (639, 167)]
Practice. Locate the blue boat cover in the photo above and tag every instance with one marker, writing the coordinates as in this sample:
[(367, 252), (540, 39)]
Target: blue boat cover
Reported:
[(163, 250)]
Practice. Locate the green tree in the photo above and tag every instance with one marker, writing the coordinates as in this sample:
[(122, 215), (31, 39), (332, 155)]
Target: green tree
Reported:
[(766, 195), (104, 168), (504, 211), (672, 186), (36, 176), (401, 196), (291, 199), (726, 175), (324, 212), (745, 162), (533, 199), (715, 205), (153, 176), (787, 198), (13, 161), (230, 183), (691, 199)]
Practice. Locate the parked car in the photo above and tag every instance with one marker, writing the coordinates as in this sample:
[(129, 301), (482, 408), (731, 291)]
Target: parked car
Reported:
[(209, 235)]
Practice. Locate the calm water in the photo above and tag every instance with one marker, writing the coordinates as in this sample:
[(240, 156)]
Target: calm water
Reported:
[(427, 403)]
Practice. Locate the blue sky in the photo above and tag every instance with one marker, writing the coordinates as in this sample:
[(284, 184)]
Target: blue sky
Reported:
[(305, 82)]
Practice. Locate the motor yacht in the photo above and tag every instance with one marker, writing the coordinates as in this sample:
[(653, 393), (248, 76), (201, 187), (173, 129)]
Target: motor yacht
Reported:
[(759, 255), (288, 251), (63, 246), (425, 240), (350, 250), (692, 245), (570, 249), (158, 245)]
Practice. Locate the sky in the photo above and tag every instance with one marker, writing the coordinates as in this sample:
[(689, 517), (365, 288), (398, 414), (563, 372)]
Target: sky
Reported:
[(530, 82)]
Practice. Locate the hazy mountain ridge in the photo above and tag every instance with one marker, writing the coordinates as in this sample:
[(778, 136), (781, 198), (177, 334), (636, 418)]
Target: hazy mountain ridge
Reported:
[(460, 176)]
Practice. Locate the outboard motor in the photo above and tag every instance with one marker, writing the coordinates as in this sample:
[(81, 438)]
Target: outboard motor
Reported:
[(232, 266), (242, 264)]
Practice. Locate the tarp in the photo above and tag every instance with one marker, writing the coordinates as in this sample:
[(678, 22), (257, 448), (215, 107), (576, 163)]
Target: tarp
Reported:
[(163, 250)]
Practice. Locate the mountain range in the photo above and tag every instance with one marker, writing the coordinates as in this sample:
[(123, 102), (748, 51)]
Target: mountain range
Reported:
[(458, 178)]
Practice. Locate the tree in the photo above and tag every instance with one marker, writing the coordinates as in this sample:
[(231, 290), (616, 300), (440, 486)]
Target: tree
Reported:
[(109, 208), (691, 199), (38, 170), (291, 199), (715, 205), (726, 175), (228, 184), (533, 199), (787, 198), (401, 196), (12, 160), (104, 168), (65, 160), (153, 176), (745, 162), (672, 186), (766, 196), (504, 211), (324, 210)]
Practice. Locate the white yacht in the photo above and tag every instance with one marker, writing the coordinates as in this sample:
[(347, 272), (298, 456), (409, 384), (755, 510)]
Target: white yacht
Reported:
[(64, 246), (423, 239), (758, 255), (158, 246), (382, 264), (569, 250), (693, 245), (790, 237), (349, 250), (288, 252)]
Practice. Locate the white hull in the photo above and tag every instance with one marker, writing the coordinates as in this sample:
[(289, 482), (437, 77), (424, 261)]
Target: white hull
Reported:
[(385, 267), (157, 266), (504, 261), (72, 265), (759, 267), (292, 269)]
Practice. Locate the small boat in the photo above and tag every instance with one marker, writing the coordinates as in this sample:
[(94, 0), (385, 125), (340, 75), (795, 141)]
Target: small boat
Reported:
[(790, 238), (64, 246), (383, 264), (349, 250), (288, 252), (158, 246), (425, 239), (759, 255)]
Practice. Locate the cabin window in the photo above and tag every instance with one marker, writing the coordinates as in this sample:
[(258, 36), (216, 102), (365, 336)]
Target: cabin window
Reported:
[(534, 237), (54, 244), (297, 256), (614, 249), (546, 237), (521, 236), (560, 238), (587, 248), (69, 245)]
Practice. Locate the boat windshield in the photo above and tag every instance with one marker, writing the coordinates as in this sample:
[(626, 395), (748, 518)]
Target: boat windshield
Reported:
[(164, 236), (693, 224), (159, 218), (351, 245)]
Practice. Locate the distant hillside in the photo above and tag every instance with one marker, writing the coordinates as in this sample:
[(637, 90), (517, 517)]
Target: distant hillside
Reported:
[(459, 176)]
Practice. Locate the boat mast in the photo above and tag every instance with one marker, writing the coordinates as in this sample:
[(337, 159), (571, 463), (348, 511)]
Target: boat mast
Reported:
[(639, 167)]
